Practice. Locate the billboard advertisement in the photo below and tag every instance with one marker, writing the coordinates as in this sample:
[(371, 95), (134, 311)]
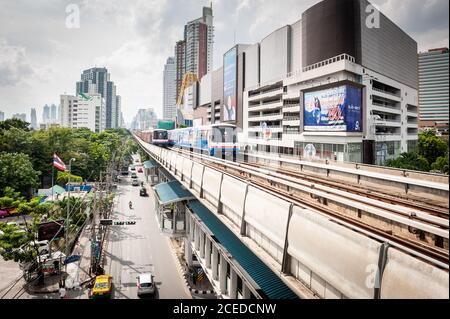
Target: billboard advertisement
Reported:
[(46, 231), (230, 85), (335, 109)]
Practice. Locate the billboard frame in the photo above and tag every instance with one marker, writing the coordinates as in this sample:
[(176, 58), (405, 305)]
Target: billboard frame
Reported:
[(235, 91)]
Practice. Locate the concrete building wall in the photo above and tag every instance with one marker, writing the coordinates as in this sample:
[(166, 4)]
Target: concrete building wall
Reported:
[(205, 89), (296, 46), (252, 66), (216, 94), (275, 55), (388, 50)]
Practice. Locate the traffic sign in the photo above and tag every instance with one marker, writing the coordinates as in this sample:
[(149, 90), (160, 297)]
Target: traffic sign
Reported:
[(106, 222), (72, 259), (128, 222)]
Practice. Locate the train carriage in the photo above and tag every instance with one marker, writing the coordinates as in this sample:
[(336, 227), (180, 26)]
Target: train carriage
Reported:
[(214, 140)]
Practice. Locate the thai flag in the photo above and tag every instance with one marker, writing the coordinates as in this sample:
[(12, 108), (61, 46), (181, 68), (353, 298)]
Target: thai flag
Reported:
[(58, 163)]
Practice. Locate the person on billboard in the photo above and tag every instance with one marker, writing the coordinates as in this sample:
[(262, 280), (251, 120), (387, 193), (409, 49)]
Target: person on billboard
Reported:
[(231, 111), (317, 110)]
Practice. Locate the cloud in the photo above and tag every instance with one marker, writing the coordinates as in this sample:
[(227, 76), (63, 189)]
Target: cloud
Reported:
[(133, 39), (15, 67)]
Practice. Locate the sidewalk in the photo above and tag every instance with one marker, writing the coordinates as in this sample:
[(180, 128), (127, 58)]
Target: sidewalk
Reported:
[(77, 272)]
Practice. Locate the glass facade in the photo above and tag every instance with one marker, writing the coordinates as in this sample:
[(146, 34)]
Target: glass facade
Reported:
[(351, 152)]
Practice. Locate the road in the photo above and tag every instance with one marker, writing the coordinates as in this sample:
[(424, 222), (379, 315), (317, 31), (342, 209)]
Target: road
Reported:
[(140, 248)]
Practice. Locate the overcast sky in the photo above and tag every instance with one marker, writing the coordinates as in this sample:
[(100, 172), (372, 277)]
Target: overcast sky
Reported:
[(40, 58)]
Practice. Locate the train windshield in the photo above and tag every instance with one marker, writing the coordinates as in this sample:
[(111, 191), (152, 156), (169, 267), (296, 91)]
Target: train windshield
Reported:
[(160, 135), (224, 134)]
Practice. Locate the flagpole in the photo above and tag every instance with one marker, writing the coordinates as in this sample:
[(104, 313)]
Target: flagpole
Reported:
[(53, 174)]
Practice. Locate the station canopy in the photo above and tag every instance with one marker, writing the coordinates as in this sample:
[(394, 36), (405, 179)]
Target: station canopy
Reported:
[(149, 164), (172, 192)]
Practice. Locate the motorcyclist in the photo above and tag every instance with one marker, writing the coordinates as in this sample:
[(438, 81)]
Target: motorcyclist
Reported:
[(130, 204)]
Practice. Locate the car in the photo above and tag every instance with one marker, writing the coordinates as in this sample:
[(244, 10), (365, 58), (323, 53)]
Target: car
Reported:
[(132, 167), (125, 173), (102, 287), (4, 213), (133, 175), (143, 192), (135, 182), (136, 161), (140, 170), (145, 284)]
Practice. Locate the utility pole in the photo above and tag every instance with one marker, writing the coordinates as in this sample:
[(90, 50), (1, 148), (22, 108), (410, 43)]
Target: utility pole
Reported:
[(66, 219)]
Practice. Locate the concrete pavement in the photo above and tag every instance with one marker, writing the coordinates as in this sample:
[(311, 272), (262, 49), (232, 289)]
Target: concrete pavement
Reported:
[(140, 248)]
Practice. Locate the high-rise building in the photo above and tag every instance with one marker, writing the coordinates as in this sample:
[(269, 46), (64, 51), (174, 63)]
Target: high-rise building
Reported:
[(53, 110), (434, 89), (180, 64), (194, 53), (97, 80), (199, 35), (46, 114), (169, 90), (2, 116), (20, 116), (84, 110), (33, 119), (144, 120), (355, 100), (118, 111)]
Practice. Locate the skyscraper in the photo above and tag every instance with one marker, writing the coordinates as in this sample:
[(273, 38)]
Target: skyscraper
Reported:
[(118, 122), (2, 116), (53, 113), (169, 90), (433, 88), (144, 120), (180, 65), (97, 80), (199, 35), (33, 119), (195, 52), (46, 114)]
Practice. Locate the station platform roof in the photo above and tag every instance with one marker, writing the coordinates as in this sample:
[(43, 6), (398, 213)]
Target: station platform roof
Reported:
[(172, 192), (149, 164), (271, 285)]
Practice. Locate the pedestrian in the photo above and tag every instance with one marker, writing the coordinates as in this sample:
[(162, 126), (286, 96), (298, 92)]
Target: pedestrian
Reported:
[(62, 293)]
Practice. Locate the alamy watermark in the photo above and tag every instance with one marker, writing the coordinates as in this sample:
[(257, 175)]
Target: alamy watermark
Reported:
[(373, 17), (72, 16)]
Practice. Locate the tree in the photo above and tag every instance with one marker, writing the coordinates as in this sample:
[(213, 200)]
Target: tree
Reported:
[(16, 171), (17, 123), (431, 146), (63, 178), (441, 165), (411, 161)]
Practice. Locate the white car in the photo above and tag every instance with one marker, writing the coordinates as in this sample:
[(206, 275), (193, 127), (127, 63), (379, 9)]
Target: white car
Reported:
[(145, 284)]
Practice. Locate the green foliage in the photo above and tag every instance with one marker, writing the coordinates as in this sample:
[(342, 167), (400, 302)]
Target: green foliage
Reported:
[(11, 240), (16, 171), (441, 165), (411, 161), (63, 178), (432, 154), (17, 123), (431, 146)]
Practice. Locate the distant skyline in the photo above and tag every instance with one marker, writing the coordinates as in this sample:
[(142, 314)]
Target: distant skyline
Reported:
[(40, 58)]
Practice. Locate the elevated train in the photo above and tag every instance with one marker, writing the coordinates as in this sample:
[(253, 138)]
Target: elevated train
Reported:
[(213, 140), (157, 137)]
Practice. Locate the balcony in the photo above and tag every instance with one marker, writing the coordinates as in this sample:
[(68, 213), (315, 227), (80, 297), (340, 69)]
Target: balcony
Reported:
[(291, 108), (267, 117), (266, 94), (273, 128), (267, 106)]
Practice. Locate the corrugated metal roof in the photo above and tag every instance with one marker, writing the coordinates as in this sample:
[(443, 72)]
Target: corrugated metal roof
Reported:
[(149, 164), (172, 192), (272, 285)]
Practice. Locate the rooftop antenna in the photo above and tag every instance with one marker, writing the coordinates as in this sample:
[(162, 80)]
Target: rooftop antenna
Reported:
[(234, 36)]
